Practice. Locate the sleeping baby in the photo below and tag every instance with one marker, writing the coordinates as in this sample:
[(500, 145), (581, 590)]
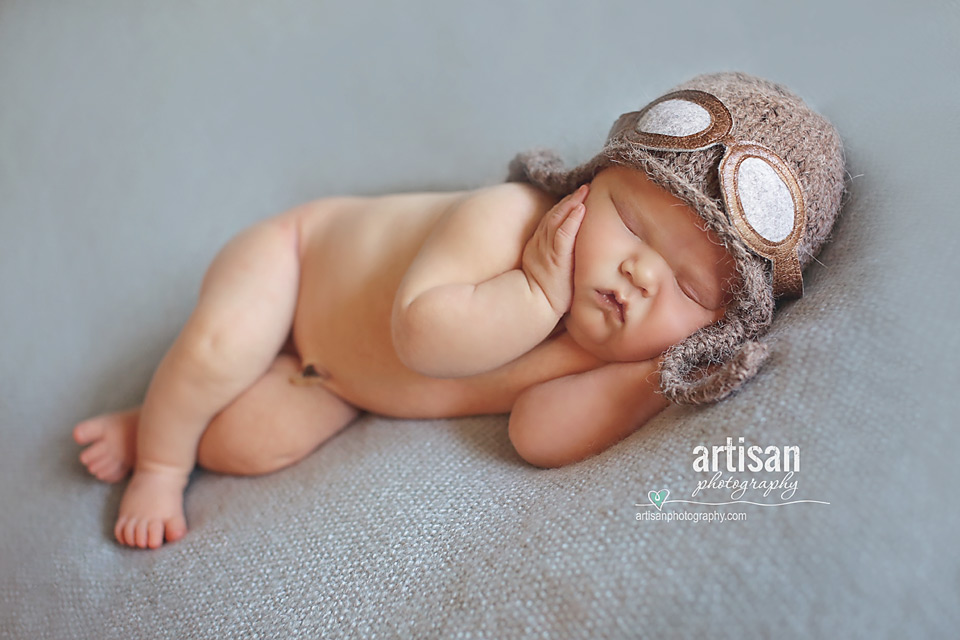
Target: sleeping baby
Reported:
[(582, 302)]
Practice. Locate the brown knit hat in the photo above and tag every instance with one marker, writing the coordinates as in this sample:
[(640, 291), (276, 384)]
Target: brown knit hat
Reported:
[(683, 141)]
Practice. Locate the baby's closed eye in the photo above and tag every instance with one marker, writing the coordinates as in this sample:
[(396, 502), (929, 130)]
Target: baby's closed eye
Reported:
[(688, 290)]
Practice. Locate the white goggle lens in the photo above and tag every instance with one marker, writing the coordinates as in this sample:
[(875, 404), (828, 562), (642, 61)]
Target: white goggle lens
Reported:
[(766, 200), (675, 118)]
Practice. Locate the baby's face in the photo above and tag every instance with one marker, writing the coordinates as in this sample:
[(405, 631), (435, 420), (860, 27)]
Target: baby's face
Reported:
[(647, 273)]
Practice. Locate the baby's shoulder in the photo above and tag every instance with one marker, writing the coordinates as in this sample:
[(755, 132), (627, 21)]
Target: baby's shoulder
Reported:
[(509, 208), (481, 234), (515, 197)]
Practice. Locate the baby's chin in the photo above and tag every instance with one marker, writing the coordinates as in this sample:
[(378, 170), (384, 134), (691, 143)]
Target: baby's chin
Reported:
[(609, 349)]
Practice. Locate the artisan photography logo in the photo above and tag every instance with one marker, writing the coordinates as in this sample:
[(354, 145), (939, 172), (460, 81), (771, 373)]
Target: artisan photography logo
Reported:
[(773, 481)]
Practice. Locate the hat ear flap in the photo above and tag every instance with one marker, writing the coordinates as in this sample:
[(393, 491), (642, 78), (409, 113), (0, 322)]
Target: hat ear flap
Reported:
[(720, 381), (544, 168), (541, 167)]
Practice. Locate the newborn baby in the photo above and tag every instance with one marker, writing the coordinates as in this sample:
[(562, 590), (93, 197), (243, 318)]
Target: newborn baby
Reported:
[(583, 302)]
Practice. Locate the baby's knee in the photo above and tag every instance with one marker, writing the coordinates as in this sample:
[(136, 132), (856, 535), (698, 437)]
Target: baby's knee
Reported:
[(227, 447), (216, 348)]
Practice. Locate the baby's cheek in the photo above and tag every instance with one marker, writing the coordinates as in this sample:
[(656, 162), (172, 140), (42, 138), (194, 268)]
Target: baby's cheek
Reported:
[(702, 317), (678, 318), (718, 315), (579, 269), (696, 318)]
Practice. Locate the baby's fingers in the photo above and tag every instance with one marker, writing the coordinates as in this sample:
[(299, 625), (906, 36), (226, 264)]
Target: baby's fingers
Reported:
[(567, 232), (580, 194), (562, 212), (570, 202)]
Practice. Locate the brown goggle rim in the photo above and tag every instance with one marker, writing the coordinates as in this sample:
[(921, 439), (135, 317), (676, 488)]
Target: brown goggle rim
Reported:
[(787, 275)]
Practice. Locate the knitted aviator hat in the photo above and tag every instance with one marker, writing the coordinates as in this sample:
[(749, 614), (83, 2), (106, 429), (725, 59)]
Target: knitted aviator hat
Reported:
[(764, 172)]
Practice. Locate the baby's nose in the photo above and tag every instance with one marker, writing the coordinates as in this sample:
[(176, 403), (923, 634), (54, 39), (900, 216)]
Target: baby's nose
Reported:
[(641, 273)]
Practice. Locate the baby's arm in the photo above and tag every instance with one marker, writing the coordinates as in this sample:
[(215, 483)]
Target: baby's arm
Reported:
[(570, 418), (482, 290)]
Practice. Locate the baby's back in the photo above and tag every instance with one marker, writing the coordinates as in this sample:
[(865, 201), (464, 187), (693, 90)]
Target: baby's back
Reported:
[(354, 254)]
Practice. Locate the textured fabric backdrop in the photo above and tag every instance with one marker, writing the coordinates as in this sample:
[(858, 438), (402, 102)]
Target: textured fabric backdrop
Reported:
[(136, 140)]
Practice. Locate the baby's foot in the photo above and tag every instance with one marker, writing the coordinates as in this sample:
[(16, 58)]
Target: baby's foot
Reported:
[(152, 509), (113, 442)]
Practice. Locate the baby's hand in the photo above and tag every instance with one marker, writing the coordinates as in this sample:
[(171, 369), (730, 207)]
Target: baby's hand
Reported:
[(548, 256)]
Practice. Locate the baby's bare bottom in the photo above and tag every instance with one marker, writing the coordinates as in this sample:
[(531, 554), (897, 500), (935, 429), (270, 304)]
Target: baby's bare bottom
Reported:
[(224, 364)]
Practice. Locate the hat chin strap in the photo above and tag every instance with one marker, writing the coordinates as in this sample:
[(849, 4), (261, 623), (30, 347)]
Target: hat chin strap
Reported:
[(720, 382), (787, 276)]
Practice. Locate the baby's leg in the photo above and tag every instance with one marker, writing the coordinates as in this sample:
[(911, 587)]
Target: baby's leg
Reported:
[(240, 323), (274, 424)]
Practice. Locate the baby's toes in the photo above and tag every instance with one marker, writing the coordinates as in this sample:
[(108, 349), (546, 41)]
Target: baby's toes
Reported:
[(129, 537), (109, 471), (100, 466), (176, 528), (94, 453), (112, 474), (155, 534), (141, 532), (119, 528), (88, 431)]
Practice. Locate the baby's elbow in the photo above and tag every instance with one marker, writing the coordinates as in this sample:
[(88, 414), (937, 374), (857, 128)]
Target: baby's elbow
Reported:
[(405, 348), (539, 440), (426, 341), (416, 343), (407, 334)]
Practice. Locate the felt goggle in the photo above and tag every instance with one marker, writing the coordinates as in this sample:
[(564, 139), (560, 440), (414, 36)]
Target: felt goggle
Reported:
[(761, 193)]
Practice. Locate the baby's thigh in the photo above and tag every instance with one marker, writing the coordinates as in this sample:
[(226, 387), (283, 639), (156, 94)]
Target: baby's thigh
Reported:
[(273, 424)]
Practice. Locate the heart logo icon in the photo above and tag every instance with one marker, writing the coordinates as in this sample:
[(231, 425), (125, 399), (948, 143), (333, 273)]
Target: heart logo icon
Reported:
[(658, 498)]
